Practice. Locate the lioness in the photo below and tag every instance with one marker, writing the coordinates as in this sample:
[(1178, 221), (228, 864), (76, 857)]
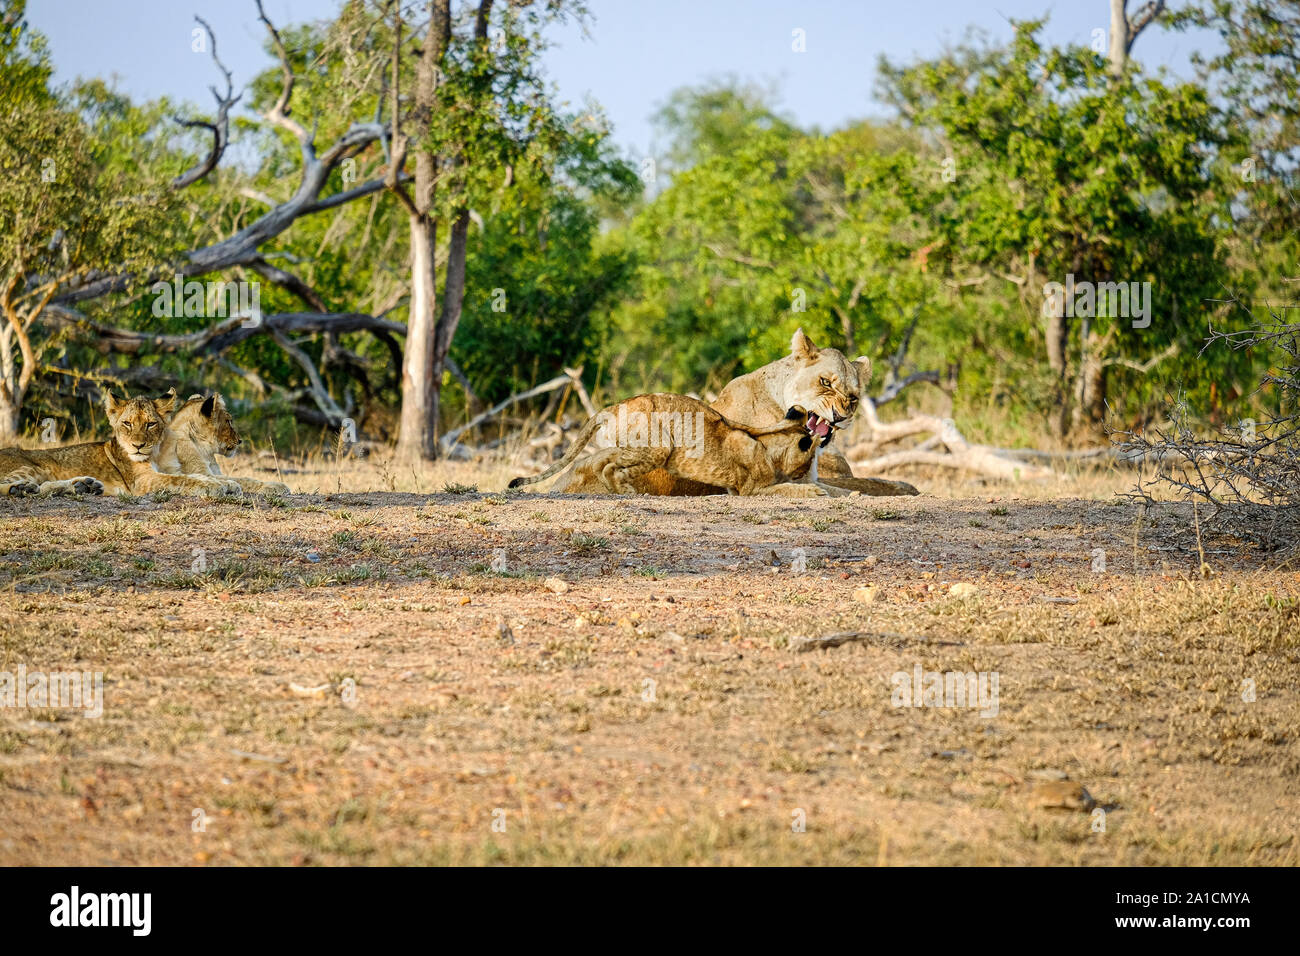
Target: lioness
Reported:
[(688, 439), (198, 432), (821, 383), (119, 465)]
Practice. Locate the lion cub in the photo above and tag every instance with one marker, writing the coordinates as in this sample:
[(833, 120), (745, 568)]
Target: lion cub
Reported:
[(198, 432), (118, 466), (689, 439)]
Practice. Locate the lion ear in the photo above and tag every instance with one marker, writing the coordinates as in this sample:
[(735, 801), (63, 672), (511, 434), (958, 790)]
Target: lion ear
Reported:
[(166, 403), (112, 405), (864, 370), (209, 406), (801, 345)]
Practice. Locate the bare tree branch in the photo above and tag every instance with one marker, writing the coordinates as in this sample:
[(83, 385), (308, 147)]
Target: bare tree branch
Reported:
[(291, 283), (220, 336), (279, 112), (220, 128)]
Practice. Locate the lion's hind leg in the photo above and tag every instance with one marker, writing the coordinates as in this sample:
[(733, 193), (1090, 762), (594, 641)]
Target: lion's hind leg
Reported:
[(151, 481), (621, 466), (255, 486)]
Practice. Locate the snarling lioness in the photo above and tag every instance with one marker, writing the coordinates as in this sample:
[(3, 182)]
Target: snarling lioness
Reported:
[(687, 439), (118, 466), (821, 383), (198, 432)]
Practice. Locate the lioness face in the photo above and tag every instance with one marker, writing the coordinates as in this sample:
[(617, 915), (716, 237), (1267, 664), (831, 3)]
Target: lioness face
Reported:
[(138, 423), (825, 386)]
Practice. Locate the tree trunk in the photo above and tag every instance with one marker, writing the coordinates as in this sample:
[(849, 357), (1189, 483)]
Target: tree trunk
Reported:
[(1119, 44), (417, 435), (1088, 414), (421, 365), (453, 299), (9, 413), (1058, 334)]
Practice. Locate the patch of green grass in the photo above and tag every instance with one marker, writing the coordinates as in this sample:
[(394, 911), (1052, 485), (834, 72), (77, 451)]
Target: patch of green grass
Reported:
[(456, 488), (348, 575), (345, 540), (115, 532), (230, 575), (588, 543), (50, 561)]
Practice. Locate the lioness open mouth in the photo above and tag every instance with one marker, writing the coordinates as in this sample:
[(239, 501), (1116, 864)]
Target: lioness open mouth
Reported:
[(818, 426)]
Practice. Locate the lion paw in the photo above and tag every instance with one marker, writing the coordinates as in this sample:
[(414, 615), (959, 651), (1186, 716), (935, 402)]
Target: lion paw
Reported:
[(222, 487), (87, 485), (19, 489)]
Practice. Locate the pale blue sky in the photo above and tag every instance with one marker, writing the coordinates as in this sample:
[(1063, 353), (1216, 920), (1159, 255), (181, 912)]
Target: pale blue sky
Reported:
[(635, 53)]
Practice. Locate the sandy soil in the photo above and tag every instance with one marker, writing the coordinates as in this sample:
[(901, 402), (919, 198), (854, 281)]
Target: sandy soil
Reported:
[(395, 677)]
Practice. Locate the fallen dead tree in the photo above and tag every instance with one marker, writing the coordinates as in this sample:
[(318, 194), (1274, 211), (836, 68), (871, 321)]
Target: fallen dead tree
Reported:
[(571, 378), (945, 448)]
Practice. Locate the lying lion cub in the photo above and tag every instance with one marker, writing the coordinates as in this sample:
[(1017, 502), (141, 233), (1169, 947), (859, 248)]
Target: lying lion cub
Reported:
[(119, 465), (688, 439), (201, 430)]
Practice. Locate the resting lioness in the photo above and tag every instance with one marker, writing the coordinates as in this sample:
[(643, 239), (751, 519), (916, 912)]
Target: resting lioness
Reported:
[(200, 430), (688, 439), (819, 382), (118, 466)]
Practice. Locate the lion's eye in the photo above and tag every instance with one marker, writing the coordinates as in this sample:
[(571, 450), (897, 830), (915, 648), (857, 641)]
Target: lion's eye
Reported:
[(826, 383), (151, 426), (853, 401)]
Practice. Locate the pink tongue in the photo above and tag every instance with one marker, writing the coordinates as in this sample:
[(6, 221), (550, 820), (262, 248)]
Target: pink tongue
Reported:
[(819, 426)]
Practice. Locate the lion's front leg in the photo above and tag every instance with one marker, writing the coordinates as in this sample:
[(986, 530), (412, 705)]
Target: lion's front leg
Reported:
[(83, 485), (21, 483), (832, 491)]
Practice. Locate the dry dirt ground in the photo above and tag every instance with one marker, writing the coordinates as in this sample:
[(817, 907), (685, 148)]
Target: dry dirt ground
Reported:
[(389, 678)]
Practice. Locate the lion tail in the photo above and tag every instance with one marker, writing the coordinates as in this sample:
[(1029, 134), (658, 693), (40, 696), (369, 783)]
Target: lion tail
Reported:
[(574, 451)]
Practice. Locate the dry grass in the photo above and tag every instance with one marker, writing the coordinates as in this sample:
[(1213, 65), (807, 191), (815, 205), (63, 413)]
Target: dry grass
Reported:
[(655, 712)]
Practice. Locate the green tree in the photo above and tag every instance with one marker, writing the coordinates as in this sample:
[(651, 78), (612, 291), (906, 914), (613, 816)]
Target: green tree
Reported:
[(67, 209), (1056, 170)]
